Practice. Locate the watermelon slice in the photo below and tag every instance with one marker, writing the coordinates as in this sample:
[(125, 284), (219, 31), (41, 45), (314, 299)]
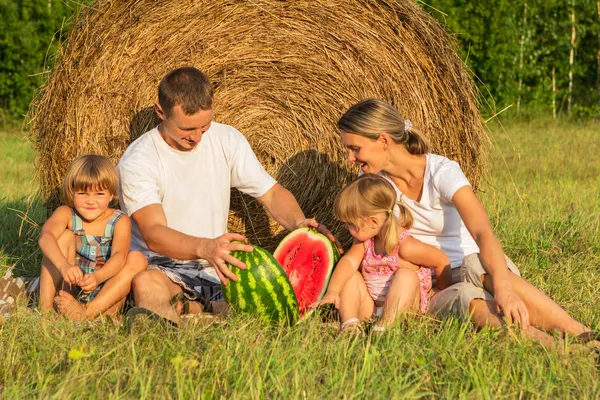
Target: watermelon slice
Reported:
[(308, 258)]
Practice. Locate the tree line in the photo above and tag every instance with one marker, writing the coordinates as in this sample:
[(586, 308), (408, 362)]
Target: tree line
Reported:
[(525, 54), (529, 54)]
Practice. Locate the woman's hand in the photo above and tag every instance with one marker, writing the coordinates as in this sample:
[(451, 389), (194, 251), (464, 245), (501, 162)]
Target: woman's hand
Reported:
[(321, 228), (511, 305)]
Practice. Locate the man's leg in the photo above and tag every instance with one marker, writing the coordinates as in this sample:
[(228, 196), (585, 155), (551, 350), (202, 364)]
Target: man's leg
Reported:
[(153, 290)]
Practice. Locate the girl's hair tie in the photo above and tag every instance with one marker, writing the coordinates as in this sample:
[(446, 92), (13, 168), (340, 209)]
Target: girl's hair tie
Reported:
[(389, 211), (408, 125)]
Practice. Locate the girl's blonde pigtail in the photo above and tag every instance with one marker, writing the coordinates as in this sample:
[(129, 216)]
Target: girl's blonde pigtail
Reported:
[(391, 233), (405, 220)]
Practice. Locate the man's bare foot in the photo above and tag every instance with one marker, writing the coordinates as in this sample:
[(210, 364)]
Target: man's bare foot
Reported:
[(68, 306)]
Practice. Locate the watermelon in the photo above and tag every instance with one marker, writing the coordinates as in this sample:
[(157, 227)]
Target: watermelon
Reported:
[(308, 258), (262, 289)]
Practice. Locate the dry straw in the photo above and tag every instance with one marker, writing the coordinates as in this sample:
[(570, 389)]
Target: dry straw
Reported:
[(285, 71)]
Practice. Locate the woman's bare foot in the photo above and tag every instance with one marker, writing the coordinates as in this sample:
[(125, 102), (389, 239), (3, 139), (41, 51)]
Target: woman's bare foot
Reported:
[(68, 306)]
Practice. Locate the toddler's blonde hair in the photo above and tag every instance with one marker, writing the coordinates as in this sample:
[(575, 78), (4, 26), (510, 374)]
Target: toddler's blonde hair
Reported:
[(368, 195), (90, 171)]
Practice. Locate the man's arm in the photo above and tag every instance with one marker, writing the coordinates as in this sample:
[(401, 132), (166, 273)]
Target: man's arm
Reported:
[(283, 207), (152, 223)]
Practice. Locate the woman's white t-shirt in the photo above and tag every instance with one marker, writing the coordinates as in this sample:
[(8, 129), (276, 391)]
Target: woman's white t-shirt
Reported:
[(194, 186), (437, 221)]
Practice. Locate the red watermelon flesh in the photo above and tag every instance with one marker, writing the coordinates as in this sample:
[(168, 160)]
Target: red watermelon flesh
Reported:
[(308, 258)]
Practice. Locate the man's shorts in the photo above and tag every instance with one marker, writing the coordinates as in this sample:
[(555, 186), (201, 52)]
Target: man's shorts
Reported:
[(466, 287), (197, 279)]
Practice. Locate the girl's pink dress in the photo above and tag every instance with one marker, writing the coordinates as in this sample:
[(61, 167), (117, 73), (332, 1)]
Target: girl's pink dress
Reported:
[(378, 272)]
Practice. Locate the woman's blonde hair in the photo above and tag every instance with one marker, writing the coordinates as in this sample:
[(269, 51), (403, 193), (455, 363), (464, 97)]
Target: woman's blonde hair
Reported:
[(90, 171), (368, 195), (372, 117)]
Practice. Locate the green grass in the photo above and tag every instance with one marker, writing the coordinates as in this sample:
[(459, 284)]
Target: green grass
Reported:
[(543, 196)]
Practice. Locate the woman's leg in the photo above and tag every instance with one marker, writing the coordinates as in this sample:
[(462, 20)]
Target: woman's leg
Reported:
[(544, 313), (51, 279), (110, 298), (403, 295), (484, 313), (355, 300)]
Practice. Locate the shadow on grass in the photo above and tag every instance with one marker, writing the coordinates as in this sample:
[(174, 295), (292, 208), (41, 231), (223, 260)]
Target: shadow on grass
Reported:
[(20, 222)]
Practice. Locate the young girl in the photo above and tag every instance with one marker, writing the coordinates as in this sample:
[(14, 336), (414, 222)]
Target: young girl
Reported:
[(394, 266), (85, 245)]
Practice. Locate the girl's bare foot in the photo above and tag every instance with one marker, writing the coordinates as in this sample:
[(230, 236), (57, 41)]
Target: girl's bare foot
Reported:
[(68, 306)]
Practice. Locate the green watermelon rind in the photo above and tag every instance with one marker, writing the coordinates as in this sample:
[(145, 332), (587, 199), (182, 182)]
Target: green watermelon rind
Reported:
[(251, 293), (333, 253)]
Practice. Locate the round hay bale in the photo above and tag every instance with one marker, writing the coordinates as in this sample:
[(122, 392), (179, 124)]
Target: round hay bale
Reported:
[(284, 72)]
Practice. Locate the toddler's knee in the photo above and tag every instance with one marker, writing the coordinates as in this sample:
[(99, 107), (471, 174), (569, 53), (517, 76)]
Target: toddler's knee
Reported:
[(66, 240), (136, 261), (407, 275)]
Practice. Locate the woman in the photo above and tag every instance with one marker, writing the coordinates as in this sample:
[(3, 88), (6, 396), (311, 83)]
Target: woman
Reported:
[(448, 215)]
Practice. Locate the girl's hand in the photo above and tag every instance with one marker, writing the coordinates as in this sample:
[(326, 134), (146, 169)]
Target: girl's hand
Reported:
[(330, 298), (89, 283), (71, 274)]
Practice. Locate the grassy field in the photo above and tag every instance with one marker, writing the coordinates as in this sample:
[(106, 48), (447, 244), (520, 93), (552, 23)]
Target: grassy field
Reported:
[(543, 196)]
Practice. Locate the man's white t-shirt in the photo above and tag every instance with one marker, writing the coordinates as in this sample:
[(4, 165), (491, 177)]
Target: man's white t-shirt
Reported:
[(437, 221), (194, 186)]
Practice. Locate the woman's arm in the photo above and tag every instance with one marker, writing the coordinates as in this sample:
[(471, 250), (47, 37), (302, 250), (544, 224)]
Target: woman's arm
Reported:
[(54, 227), (477, 222), (344, 270), (419, 253)]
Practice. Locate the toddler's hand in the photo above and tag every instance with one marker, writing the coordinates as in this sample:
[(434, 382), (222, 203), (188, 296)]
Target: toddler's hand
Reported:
[(89, 283), (329, 298), (71, 274)]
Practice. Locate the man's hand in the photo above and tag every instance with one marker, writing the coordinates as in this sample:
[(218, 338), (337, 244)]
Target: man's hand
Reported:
[(329, 298), (216, 252), (512, 306), (321, 228), (89, 283), (71, 274)]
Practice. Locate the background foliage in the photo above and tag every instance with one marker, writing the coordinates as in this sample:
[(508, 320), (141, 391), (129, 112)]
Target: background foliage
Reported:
[(492, 36), (29, 34)]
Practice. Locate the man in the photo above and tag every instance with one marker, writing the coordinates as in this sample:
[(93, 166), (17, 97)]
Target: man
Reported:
[(175, 183)]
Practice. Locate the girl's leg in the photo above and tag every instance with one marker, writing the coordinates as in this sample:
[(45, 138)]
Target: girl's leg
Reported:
[(50, 278), (355, 300), (403, 295), (111, 297), (544, 313)]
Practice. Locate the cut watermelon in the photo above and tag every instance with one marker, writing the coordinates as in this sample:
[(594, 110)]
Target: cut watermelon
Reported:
[(308, 258)]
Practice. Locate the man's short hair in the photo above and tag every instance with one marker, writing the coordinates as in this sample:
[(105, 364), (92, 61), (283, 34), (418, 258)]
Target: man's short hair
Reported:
[(187, 87)]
